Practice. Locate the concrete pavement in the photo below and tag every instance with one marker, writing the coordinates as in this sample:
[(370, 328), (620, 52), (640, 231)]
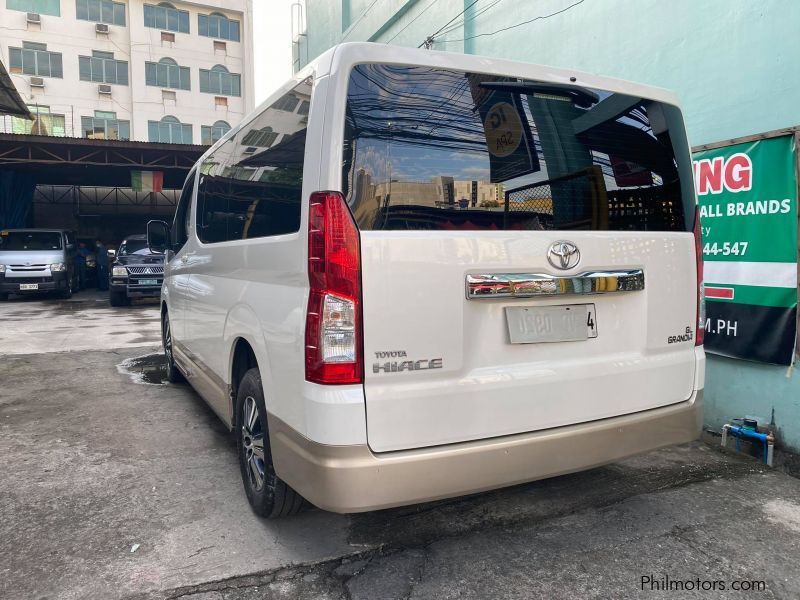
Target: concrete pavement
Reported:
[(97, 462)]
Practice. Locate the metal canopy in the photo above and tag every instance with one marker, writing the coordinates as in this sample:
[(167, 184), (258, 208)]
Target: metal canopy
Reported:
[(11, 103), (81, 161)]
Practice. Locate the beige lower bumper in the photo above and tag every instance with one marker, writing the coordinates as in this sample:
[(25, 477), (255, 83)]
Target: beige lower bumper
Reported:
[(354, 479)]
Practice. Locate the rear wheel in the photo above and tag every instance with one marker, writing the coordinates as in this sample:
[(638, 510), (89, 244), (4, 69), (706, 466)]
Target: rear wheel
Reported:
[(173, 374), (118, 299), (268, 494), (3, 296)]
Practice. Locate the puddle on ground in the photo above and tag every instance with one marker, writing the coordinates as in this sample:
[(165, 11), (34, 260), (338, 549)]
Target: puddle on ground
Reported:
[(150, 369)]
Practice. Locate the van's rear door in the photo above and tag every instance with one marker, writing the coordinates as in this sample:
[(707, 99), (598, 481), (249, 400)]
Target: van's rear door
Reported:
[(527, 254)]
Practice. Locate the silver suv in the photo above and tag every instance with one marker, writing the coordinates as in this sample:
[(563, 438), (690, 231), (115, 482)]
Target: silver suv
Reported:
[(37, 260)]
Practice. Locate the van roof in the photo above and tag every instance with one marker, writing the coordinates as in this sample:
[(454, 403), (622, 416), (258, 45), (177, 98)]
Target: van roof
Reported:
[(345, 56)]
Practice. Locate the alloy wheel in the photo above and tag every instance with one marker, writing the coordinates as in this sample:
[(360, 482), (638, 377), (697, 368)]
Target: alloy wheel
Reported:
[(253, 443)]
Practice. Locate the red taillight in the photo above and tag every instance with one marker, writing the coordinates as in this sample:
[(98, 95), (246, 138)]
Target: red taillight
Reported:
[(701, 302), (333, 319)]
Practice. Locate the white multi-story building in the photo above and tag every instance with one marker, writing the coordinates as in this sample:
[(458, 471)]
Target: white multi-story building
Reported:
[(144, 70)]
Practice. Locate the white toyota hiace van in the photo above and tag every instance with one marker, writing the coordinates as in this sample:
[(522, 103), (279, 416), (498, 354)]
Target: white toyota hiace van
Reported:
[(412, 275)]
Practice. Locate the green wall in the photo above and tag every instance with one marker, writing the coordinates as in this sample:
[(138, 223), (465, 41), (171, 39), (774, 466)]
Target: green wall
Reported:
[(735, 64)]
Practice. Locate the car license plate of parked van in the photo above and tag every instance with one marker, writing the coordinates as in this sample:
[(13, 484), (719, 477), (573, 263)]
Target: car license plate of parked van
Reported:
[(562, 323), (28, 286), (148, 282)]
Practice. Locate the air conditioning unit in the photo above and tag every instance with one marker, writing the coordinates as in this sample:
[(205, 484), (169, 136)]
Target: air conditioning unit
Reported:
[(37, 82), (35, 18), (104, 89), (101, 28)]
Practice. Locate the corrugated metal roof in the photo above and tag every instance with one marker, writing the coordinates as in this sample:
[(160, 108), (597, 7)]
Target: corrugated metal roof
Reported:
[(11, 103)]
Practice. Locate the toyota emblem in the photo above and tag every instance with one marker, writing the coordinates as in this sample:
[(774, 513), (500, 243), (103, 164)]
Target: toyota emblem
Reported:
[(563, 255)]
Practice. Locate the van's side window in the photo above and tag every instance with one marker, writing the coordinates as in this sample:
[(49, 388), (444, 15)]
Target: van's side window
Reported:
[(251, 186), (179, 225)]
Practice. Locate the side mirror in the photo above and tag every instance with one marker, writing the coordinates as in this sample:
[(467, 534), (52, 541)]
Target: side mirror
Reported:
[(158, 236), (112, 253), (70, 246)]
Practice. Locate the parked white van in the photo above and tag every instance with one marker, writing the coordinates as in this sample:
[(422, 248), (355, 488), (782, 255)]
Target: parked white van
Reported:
[(412, 275)]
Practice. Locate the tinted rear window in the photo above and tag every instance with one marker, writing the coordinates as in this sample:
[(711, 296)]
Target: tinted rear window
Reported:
[(430, 148)]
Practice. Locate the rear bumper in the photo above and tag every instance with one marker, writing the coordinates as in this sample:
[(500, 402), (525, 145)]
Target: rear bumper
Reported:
[(354, 479)]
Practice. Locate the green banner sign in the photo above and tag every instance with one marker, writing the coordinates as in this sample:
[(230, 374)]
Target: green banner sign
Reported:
[(748, 213)]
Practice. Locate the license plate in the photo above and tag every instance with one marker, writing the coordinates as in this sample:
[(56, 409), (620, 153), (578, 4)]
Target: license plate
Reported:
[(148, 282), (563, 323), (28, 286)]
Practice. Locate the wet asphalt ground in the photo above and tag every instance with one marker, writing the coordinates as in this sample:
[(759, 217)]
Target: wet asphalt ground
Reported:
[(114, 484)]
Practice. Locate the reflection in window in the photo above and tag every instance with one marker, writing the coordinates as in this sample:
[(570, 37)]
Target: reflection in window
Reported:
[(251, 186), (287, 103), (263, 137), (437, 149)]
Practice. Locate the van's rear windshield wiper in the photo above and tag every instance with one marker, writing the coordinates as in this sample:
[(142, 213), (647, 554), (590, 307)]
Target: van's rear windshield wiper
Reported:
[(580, 96)]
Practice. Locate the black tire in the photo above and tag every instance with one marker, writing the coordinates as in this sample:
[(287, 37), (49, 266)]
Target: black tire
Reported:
[(67, 293), (3, 297), (273, 498), (118, 299), (173, 374)]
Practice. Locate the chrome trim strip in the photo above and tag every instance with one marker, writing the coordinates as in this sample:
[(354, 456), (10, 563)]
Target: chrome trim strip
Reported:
[(530, 285)]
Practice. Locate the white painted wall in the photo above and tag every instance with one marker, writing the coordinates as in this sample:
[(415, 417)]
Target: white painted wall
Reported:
[(136, 44)]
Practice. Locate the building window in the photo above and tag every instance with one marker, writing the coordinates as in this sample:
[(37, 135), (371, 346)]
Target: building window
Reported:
[(263, 137), (43, 7), (104, 125), (218, 80), (101, 11), (217, 25), (304, 106), (34, 59), (287, 103), (166, 16), (44, 122), (103, 68), (166, 73), (169, 131), (211, 133)]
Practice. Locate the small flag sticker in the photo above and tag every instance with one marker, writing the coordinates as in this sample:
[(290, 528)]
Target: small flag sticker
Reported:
[(147, 181)]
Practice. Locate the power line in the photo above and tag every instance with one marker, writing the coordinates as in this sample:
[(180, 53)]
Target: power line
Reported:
[(422, 12), (358, 20), (464, 21), (558, 12), (429, 40)]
